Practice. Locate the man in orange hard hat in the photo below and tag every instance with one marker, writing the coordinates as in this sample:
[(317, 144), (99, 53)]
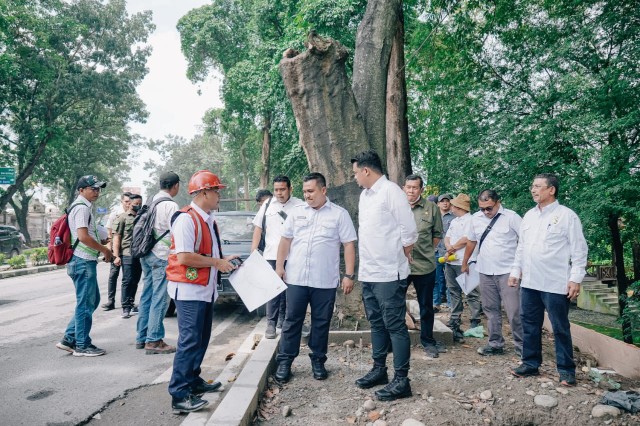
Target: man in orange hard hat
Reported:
[(195, 264)]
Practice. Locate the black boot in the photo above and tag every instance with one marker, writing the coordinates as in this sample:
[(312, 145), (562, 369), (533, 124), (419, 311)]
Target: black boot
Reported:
[(398, 388), (377, 376), (319, 372), (283, 373)]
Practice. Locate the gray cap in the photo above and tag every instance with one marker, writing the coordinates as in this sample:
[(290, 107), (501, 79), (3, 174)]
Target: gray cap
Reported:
[(445, 195)]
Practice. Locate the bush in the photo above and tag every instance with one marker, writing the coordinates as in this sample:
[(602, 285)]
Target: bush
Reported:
[(38, 256), (27, 252), (3, 258), (17, 262)]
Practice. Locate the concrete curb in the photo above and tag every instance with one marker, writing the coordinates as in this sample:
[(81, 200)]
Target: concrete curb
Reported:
[(28, 271), (441, 333), (241, 402), (239, 405)]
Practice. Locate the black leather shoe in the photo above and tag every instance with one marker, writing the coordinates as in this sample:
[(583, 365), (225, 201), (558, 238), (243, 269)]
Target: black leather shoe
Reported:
[(377, 376), (108, 306), (319, 372), (204, 387), (283, 373), (188, 405), (398, 388)]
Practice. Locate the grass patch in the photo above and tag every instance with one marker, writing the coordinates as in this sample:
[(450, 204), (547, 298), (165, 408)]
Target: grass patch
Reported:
[(616, 333)]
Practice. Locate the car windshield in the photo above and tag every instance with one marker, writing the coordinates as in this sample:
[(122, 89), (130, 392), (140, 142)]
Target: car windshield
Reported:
[(235, 227)]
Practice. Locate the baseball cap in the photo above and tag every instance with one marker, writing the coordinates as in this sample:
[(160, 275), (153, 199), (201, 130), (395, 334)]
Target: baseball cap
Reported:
[(445, 195), (90, 181), (169, 178)]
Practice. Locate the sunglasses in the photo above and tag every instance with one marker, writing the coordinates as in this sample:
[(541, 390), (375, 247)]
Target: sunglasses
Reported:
[(487, 209)]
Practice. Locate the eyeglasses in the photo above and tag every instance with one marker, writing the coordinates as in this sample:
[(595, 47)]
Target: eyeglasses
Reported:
[(538, 186), (487, 209)]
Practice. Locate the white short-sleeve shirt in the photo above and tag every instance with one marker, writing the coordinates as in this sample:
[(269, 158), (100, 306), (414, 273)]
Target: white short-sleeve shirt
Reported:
[(183, 233), (314, 256), (274, 223)]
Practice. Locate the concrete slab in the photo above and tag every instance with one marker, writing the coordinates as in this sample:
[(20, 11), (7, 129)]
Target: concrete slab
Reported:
[(28, 271), (610, 353), (441, 333)]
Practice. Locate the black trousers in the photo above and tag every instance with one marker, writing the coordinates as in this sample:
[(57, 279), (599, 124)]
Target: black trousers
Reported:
[(131, 273), (424, 291), (114, 273), (276, 307), (298, 298)]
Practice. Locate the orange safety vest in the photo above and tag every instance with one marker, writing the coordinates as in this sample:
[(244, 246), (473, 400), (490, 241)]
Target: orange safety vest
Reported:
[(177, 272)]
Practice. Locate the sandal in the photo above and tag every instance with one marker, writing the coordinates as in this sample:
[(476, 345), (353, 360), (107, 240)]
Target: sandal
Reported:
[(567, 380)]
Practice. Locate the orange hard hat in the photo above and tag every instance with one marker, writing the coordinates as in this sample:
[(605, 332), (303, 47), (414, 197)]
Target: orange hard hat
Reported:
[(204, 179)]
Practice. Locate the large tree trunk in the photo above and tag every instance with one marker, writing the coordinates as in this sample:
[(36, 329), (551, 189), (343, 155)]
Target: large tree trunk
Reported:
[(330, 126), (635, 249), (21, 210), (621, 277), (374, 40), (266, 151), (245, 176), (397, 127)]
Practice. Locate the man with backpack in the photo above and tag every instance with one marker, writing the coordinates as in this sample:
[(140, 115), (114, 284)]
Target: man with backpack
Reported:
[(82, 268), (122, 255), (154, 298)]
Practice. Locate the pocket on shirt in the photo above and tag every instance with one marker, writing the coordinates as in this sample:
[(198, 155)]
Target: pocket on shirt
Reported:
[(301, 227), (328, 229), (555, 235)]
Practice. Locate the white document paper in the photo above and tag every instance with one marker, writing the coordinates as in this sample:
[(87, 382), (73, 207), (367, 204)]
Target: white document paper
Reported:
[(469, 281), (256, 282)]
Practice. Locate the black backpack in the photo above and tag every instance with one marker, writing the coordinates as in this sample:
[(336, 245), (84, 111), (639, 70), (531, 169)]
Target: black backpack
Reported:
[(142, 241)]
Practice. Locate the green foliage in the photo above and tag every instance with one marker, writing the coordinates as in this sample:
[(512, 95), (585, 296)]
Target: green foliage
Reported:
[(631, 313), (502, 91), (38, 256), (17, 262), (69, 74), (3, 258)]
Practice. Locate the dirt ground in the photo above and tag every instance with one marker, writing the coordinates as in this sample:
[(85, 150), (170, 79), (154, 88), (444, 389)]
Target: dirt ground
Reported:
[(439, 399)]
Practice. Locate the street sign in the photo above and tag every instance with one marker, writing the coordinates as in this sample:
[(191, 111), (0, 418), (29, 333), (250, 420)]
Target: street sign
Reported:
[(102, 210), (7, 175)]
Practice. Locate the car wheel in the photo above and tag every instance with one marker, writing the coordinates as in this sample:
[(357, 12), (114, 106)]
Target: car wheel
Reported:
[(13, 253), (261, 311)]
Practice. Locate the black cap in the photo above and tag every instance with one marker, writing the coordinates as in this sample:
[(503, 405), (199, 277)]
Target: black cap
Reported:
[(168, 179), (90, 181)]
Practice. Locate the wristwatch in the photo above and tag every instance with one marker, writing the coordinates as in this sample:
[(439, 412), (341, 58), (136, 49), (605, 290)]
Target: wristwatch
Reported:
[(350, 276)]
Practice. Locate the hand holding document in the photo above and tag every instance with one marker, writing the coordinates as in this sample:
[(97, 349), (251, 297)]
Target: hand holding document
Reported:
[(469, 281), (256, 282)]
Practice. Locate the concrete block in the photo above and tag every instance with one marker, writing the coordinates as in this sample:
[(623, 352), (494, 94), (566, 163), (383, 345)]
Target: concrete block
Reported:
[(236, 408), (440, 332)]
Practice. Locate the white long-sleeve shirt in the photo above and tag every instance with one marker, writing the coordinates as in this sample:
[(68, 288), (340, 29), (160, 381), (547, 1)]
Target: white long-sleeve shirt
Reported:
[(552, 249), (499, 246), (314, 256), (386, 226)]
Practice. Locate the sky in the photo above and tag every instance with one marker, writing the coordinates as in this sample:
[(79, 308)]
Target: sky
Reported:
[(173, 102)]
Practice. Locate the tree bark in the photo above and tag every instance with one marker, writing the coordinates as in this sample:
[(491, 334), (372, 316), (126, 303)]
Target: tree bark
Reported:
[(374, 41), (245, 175), (21, 210), (635, 249), (621, 276), (397, 125), (266, 151), (330, 127)]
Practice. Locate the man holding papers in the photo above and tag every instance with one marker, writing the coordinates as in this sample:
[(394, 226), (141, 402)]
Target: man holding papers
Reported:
[(494, 230), (311, 238)]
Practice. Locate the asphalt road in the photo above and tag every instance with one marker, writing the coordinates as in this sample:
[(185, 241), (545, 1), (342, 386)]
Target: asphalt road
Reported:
[(43, 385)]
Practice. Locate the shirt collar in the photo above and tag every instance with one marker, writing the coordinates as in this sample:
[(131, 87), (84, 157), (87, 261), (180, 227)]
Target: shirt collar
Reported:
[(419, 203), (325, 205), (205, 215), (548, 209), (84, 200), (379, 183)]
